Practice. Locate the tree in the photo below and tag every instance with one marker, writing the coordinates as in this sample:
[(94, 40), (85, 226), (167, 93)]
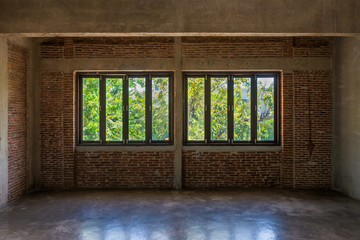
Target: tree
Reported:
[(196, 112)]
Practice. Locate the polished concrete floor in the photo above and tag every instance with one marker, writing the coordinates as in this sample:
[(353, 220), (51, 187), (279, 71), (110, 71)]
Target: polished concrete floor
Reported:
[(219, 215)]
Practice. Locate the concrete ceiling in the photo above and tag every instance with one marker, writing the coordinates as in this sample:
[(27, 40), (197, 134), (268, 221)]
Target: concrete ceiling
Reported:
[(48, 18)]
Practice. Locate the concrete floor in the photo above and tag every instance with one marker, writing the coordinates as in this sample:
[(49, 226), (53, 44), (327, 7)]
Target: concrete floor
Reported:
[(220, 215)]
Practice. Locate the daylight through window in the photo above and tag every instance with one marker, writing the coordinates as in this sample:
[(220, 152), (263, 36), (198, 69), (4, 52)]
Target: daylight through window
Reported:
[(125, 108), (235, 108)]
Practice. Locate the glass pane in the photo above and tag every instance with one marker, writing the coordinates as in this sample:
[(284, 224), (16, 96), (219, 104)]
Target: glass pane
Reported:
[(219, 118), (137, 106), (91, 107), (196, 104), (265, 106), (242, 109), (114, 109), (160, 108)]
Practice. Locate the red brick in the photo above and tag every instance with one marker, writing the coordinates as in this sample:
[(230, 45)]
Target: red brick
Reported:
[(17, 120)]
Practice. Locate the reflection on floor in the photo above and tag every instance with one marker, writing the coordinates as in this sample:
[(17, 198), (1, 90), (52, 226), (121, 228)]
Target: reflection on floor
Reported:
[(260, 214)]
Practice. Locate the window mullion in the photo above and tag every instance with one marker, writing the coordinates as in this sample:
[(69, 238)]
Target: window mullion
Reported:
[(102, 109), (126, 109), (230, 109), (185, 110), (207, 109), (148, 112), (277, 108), (81, 109), (253, 109)]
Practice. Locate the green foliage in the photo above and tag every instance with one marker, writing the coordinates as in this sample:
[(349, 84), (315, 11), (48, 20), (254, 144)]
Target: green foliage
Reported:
[(137, 109), (196, 103), (91, 113), (219, 120), (160, 108), (265, 114), (242, 109), (114, 109)]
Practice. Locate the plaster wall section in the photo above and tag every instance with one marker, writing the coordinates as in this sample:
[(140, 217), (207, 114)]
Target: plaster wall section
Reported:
[(346, 141)]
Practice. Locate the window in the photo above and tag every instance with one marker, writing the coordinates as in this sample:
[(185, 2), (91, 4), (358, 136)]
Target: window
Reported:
[(124, 108), (232, 108)]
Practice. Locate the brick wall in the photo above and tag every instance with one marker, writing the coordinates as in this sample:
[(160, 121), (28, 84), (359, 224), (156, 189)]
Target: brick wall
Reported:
[(108, 48), (204, 47), (64, 167), (125, 169), (293, 167), (231, 169), (17, 117)]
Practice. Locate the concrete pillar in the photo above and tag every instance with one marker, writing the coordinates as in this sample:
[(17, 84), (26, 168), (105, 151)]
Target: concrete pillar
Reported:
[(178, 115), (34, 138), (346, 138), (3, 121)]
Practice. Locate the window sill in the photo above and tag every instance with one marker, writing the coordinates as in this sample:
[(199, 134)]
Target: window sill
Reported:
[(139, 148), (157, 148), (233, 148)]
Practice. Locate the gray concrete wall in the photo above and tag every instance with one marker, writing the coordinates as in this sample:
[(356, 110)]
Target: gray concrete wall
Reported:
[(3, 121), (126, 17), (346, 144)]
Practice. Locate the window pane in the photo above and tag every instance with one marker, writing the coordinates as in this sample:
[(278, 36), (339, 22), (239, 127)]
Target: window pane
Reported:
[(137, 108), (91, 113), (160, 108), (196, 103), (242, 109), (265, 108), (114, 109), (219, 119)]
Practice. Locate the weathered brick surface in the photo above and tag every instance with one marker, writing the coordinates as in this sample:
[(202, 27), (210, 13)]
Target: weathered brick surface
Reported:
[(62, 167), (313, 171), (205, 47), (287, 162), (51, 129), (294, 166), (69, 129), (17, 120), (125, 169), (146, 47), (224, 169), (312, 47), (52, 49), (223, 47)]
